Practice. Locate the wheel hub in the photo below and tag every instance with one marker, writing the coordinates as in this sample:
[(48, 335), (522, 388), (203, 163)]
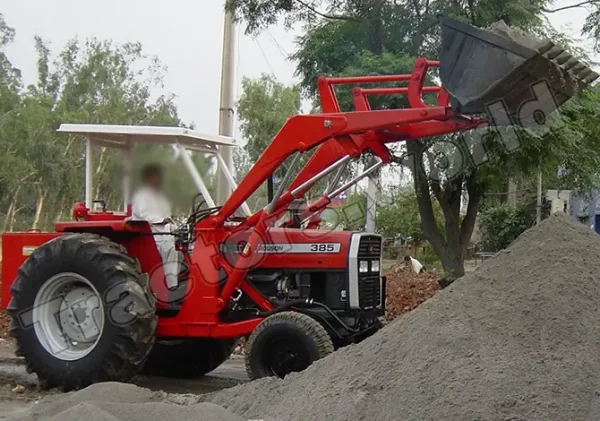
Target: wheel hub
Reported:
[(68, 316), (79, 315), (287, 356)]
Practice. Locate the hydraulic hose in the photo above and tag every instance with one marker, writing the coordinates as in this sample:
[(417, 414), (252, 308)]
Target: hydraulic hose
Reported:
[(307, 302), (286, 306)]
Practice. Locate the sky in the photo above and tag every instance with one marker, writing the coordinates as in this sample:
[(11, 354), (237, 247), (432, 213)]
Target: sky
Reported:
[(186, 35)]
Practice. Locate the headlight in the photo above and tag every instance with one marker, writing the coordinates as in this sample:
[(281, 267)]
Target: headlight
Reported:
[(375, 266), (363, 266)]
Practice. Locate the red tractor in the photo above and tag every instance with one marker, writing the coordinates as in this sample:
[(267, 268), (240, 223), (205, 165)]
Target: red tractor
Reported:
[(88, 302)]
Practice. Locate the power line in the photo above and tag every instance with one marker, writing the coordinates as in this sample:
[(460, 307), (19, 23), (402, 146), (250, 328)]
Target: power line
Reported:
[(282, 51), (264, 56)]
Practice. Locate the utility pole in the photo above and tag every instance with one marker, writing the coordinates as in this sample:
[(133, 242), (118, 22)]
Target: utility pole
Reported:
[(372, 192), (226, 117)]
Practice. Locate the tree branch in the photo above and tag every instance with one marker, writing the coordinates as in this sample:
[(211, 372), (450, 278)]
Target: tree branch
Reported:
[(468, 223), (572, 6), (428, 222), (326, 15), (451, 207), (434, 176)]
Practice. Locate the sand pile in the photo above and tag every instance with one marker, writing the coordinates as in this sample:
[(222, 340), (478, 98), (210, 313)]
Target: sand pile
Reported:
[(125, 402), (517, 340)]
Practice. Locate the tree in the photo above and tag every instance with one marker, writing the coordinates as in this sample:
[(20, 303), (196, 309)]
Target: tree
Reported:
[(501, 225), (264, 106), (383, 36), (402, 217), (89, 81)]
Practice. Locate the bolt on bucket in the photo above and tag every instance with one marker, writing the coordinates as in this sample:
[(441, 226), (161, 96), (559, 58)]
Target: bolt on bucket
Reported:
[(510, 75)]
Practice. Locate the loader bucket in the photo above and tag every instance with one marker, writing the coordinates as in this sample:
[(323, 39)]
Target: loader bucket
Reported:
[(506, 73)]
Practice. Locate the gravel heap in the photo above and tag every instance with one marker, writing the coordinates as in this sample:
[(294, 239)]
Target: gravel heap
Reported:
[(125, 402), (517, 340)]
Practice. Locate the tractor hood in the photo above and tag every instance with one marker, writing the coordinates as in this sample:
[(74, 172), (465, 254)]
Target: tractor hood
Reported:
[(512, 76)]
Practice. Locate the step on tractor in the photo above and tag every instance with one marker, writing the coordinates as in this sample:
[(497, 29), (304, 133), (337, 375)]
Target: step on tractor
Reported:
[(89, 303)]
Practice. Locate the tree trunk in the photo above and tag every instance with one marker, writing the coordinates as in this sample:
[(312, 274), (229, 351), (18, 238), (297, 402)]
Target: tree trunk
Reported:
[(7, 217), (451, 250), (13, 218), (11, 210), (376, 35), (61, 209), (38, 209), (98, 172)]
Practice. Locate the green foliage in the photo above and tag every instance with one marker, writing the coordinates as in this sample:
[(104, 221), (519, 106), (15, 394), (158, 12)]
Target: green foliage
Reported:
[(592, 23), (501, 225), (89, 81), (264, 106), (427, 256), (401, 217)]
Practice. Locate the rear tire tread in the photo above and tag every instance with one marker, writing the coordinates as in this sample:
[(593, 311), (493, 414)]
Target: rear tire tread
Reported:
[(132, 342)]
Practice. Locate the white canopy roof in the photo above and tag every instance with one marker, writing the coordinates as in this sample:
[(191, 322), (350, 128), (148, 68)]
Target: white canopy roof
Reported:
[(122, 137)]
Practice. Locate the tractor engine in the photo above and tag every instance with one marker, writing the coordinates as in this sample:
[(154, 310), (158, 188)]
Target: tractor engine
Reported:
[(338, 279)]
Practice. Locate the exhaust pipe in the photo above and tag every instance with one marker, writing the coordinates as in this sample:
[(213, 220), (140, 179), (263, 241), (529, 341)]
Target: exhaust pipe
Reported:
[(512, 76)]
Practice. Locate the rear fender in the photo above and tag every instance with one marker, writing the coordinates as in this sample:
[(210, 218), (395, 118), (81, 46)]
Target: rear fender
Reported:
[(137, 239), (16, 247)]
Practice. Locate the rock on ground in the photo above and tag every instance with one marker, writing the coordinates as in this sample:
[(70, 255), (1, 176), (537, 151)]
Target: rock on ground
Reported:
[(516, 340)]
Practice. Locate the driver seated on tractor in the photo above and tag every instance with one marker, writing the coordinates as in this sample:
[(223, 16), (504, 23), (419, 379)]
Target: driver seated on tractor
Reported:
[(151, 205)]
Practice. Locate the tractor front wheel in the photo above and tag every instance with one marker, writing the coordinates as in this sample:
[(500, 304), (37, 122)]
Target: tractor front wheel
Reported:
[(81, 312), (286, 342)]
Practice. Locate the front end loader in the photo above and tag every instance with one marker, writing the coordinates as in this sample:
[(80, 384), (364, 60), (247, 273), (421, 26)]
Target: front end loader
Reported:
[(88, 302)]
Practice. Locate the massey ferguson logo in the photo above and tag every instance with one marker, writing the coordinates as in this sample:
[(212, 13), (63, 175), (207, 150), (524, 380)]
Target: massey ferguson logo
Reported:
[(271, 248)]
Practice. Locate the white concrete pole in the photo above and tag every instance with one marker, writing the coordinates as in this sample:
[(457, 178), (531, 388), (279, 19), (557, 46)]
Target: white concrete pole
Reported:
[(226, 116), (372, 194)]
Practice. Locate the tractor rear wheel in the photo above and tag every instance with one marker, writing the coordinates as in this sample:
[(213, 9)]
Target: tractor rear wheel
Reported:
[(187, 358), (286, 342), (81, 312)]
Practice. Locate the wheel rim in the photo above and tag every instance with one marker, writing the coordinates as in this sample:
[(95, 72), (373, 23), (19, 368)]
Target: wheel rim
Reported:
[(68, 316), (286, 355)]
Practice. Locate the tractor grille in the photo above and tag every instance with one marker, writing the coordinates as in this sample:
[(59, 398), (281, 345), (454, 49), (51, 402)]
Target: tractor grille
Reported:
[(369, 284), (369, 247), (369, 292)]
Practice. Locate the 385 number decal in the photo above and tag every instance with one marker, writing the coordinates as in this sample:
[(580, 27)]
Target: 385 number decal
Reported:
[(330, 248)]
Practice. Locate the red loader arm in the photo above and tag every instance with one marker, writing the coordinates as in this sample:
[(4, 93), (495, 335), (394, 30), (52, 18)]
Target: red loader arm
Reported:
[(469, 85)]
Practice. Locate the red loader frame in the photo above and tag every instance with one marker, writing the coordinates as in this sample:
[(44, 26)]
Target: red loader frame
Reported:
[(340, 137)]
